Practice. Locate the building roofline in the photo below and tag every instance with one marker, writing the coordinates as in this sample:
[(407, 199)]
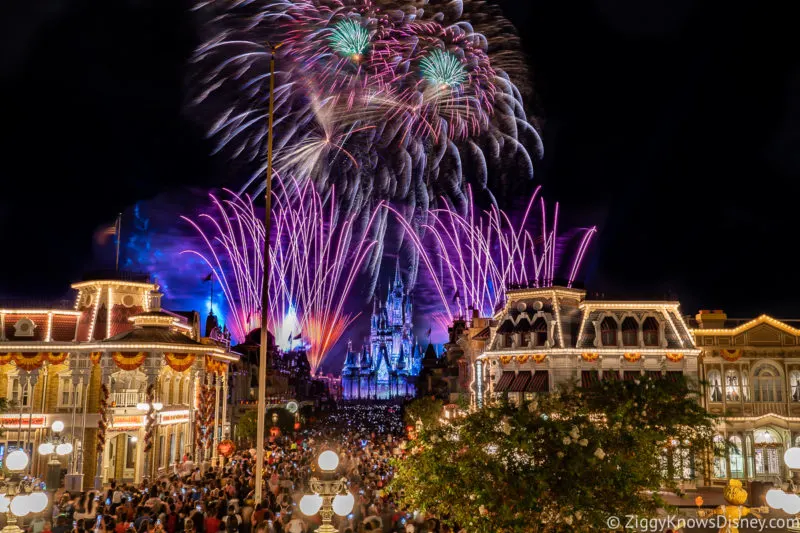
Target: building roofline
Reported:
[(762, 319)]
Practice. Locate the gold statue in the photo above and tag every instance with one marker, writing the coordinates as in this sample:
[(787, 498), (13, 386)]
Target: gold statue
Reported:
[(735, 495)]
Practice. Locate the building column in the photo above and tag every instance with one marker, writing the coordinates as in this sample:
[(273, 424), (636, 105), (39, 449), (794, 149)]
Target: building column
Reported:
[(215, 441)]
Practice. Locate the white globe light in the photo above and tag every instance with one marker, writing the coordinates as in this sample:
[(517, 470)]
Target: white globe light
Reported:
[(46, 448), (328, 460), (20, 505), (17, 461), (64, 449), (37, 501), (158, 406), (57, 426), (791, 504), (143, 406), (4, 503), (775, 498), (343, 504), (310, 504), (792, 458)]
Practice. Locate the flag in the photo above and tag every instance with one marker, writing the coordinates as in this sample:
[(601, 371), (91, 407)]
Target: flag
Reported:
[(208, 278), (298, 336), (102, 235)]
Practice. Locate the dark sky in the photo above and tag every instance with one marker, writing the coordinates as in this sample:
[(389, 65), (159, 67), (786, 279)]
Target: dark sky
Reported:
[(672, 125)]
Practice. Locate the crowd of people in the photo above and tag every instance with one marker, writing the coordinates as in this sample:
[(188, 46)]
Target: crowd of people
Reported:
[(200, 499)]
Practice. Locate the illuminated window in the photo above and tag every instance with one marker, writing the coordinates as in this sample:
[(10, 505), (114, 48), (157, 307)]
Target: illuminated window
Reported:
[(630, 332), (735, 456), (720, 469), (714, 386), (69, 394), (794, 382), (767, 384), (20, 392), (608, 331), (746, 385), (732, 390), (539, 332), (769, 450)]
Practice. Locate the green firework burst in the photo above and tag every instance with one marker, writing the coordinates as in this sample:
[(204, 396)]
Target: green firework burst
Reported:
[(443, 68), (349, 38)]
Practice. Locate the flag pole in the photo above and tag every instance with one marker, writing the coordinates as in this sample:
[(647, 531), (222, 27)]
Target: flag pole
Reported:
[(118, 228), (262, 359)]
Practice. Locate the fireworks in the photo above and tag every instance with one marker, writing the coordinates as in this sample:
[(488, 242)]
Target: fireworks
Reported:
[(477, 257), (379, 99), (314, 262)]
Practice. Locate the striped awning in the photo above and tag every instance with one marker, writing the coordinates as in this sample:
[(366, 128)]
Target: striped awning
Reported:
[(654, 374), (610, 375), (631, 375), (540, 382), (589, 378), (520, 381), (505, 382)]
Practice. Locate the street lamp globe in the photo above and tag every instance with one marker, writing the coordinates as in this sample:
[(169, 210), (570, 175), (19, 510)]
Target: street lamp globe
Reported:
[(310, 504), (46, 448), (143, 406), (37, 501), (64, 449), (20, 505), (343, 504), (4, 503), (17, 461), (791, 504), (328, 461), (57, 426), (792, 458), (158, 406), (775, 498)]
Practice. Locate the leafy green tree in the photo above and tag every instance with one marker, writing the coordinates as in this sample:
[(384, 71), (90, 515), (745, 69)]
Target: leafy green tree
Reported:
[(247, 425), (563, 463), (427, 409)]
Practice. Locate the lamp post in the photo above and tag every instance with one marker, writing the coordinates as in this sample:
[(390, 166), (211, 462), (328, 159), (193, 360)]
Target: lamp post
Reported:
[(330, 495), (56, 446), (19, 495), (789, 502), (262, 352)]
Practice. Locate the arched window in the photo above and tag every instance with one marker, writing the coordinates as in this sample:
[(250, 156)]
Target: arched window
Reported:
[(794, 383), (714, 386), (539, 332), (736, 456), (650, 331), (608, 331), (732, 390), (720, 469), (746, 385), (767, 384), (768, 452), (630, 332), (176, 390)]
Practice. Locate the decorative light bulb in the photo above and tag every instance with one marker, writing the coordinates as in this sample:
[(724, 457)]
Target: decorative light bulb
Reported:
[(46, 448), (328, 460), (37, 501), (17, 461), (158, 406), (4, 503), (20, 505), (143, 406), (792, 458), (343, 504), (775, 498), (64, 449), (57, 426), (310, 504)]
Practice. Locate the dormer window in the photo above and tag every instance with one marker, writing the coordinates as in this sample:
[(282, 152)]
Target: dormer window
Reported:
[(539, 332), (608, 331), (24, 327), (630, 332), (650, 331)]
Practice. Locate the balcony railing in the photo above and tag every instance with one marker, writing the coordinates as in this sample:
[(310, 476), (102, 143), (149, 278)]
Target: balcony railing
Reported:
[(127, 398), (765, 408)]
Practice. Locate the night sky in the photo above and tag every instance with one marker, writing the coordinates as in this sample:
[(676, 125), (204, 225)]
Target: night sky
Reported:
[(674, 126)]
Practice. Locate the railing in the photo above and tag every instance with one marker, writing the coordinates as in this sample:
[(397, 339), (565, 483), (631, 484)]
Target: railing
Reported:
[(765, 408), (127, 399)]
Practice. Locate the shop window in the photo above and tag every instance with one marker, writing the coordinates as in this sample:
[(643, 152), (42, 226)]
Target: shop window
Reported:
[(608, 331), (630, 332)]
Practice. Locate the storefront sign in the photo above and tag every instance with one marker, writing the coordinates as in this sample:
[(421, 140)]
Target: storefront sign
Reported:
[(127, 422), (174, 418), (37, 421)]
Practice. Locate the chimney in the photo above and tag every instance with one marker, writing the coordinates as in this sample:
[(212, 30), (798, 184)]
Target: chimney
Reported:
[(708, 319)]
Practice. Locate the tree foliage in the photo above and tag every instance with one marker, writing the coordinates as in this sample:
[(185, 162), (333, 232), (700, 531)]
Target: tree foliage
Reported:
[(564, 462), (247, 425), (426, 409)]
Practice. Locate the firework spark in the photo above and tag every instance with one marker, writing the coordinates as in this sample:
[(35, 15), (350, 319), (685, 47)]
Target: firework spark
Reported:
[(314, 262), (478, 256)]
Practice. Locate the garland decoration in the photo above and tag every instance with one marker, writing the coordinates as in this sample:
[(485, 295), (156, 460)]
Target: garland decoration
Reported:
[(150, 418), (102, 424)]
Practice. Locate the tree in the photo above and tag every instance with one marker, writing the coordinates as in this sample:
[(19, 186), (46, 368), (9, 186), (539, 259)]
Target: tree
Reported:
[(246, 426), (563, 463), (427, 409)]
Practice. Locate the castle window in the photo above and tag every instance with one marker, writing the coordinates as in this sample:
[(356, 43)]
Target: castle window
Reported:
[(767, 384), (630, 332), (608, 331), (794, 382), (539, 332), (650, 331)]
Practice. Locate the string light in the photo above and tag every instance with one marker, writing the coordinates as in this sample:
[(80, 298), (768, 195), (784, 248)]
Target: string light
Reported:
[(763, 319)]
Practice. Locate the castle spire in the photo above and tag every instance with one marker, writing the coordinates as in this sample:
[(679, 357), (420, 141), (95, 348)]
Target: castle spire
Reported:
[(397, 281)]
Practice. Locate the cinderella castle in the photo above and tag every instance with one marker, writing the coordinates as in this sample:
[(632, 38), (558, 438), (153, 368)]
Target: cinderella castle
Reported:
[(386, 366)]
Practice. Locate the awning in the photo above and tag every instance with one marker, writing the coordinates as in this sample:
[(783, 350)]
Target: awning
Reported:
[(506, 327), (631, 375), (611, 375), (589, 378), (654, 374), (520, 381), (540, 382), (505, 382)]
